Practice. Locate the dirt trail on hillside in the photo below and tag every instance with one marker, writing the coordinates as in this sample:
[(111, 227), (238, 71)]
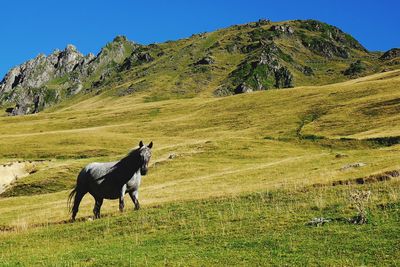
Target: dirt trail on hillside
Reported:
[(10, 172), (254, 167)]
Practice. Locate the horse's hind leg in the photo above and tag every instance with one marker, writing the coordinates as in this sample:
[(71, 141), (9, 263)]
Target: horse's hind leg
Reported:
[(121, 203), (97, 207), (77, 202)]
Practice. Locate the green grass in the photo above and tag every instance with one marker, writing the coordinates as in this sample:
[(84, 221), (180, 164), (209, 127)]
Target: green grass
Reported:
[(265, 228)]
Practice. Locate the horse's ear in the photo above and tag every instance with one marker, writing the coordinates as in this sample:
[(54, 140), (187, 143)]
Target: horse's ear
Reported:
[(141, 144), (150, 145)]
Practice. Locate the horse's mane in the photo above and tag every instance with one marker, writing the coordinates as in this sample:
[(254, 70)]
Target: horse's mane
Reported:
[(128, 158)]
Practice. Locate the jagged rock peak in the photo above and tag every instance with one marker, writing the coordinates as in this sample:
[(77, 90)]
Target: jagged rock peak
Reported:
[(36, 72), (71, 48)]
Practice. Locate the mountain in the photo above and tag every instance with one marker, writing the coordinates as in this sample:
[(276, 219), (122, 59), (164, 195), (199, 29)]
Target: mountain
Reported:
[(243, 58)]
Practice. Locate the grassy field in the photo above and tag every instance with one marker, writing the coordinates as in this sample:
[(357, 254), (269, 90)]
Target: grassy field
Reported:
[(258, 229), (247, 173)]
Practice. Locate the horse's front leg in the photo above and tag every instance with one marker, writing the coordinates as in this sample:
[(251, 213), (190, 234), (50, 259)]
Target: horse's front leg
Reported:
[(97, 207), (135, 198), (121, 199)]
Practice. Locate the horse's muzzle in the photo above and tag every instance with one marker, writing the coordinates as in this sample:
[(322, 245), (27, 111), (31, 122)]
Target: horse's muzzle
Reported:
[(143, 171)]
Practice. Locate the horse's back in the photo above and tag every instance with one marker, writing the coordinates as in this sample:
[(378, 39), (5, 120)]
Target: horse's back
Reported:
[(98, 169)]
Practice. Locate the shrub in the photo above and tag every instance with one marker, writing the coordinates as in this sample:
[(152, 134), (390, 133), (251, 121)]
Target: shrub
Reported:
[(359, 200)]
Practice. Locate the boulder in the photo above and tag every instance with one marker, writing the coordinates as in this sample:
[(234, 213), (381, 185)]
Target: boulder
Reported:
[(353, 165), (243, 88), (145, 57), (308, 71), (207, 60)]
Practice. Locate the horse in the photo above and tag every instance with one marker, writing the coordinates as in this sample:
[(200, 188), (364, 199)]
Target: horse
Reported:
[(111, 180)]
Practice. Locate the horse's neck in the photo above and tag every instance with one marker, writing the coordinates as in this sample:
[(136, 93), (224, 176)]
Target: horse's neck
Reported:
[(127, 167)]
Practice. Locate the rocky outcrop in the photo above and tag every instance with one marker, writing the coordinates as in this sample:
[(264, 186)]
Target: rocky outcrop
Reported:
[(325, 48), (138, 56), (286, 29), (29, 101), (391, 54), (262, 22), (26, 84), (40, 70), (332, 33), (262, 73), (114, 52)]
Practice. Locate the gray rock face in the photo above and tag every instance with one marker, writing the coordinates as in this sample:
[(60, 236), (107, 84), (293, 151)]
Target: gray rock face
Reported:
[(29, 101), (26, 84), (38, 71), (67, 60), (390, 54), (268, 57), (19, 84)]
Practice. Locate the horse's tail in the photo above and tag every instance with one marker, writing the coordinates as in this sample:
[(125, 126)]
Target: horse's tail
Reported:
[(70, 196)]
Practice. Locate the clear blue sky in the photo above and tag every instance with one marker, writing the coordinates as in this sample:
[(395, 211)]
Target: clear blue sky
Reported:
[(29, 27)]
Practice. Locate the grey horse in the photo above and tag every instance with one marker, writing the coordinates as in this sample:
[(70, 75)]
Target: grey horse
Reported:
[(111, 180)]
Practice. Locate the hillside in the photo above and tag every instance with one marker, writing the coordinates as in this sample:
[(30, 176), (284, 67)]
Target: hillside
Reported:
[(222, 147), (242, 58), (233, 180)]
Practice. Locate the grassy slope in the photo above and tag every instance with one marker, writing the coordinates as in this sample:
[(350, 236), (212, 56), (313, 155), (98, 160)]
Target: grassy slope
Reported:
[(258, 229), (225, 147)]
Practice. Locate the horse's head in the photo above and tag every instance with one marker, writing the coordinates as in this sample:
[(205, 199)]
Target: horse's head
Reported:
[(145, 155)]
